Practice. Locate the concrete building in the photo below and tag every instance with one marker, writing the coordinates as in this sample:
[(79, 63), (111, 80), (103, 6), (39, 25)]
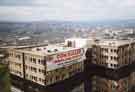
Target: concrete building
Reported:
[(112, 62), (78, 42), (46, 65), (113, 53)]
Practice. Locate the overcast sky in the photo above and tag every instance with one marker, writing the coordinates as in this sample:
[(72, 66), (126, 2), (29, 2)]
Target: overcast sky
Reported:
[(69, 10)]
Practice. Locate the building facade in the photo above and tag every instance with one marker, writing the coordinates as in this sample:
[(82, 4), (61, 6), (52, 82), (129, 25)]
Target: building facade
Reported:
[(46, 65), (113, 61), (113, 53)]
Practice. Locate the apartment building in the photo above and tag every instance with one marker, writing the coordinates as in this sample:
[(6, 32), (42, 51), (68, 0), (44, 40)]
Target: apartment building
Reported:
[(116, 55), (113, 53), (46, 65)]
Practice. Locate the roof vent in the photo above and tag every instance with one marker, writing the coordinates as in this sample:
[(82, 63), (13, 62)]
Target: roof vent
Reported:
[(38, 49), (55, 50), (49, 51)]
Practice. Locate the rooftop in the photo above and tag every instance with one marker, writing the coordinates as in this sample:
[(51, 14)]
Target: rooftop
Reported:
[(51, 49), (114, 42), (58, 55), (46, 50)]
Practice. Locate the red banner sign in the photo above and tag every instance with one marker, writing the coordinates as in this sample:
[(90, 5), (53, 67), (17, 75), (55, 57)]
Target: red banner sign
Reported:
[(68, 55)]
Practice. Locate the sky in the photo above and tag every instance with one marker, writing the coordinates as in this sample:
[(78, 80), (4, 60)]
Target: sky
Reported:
[(66, 10)]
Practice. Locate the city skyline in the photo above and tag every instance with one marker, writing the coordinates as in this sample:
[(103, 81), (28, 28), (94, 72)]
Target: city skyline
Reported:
[(63, 10)]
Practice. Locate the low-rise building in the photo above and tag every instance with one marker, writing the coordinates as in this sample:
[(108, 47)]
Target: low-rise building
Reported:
[(46, 65), (113, 53)]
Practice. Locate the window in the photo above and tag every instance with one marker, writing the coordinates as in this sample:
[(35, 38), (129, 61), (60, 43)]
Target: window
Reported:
[(39, 61), (41, 71), (111, 57), (111, 64), (69, 44), (115, 58), (40, 79), (35, 78), (38, 49), (33, 69), (34, 60), (18, 56), (31, 59), (111, 50), (115, 50)]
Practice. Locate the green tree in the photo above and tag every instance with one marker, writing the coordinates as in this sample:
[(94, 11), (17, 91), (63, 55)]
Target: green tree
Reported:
[(4, 79), (4, 72)]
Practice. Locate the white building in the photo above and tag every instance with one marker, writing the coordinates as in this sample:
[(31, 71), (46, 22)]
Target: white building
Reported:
[(46, 65)]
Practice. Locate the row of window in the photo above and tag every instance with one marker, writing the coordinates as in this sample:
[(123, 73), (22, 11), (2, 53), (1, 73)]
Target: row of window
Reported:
[(114, 65), (107, 50), (18, 56), (104, 56), (114, 58), (104, 49), (111, 57), (11, 54), (31, 59), (111, 65), (16, 72), (33, 69), (55, 78), (34, 78), (61, 75), (48, 80), (114, 50), (36, 61), (15, 64)]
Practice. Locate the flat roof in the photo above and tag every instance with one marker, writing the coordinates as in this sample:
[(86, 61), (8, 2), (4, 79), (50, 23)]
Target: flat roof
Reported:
[(52, 49), (46, 50), (114, 42)]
